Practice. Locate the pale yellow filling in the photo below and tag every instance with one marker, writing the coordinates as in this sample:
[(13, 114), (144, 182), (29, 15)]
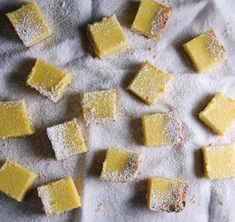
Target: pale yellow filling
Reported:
[(149, 83), (30, 24), (16, 180), (205, 51), (49, 80), (219, 114), (99, 106), (151, 18), (14, 119), (107, 37), (120, 165), (219, 161), (60, 196), (155, 133)]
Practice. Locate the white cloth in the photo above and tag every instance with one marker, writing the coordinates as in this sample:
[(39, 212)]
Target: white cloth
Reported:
[(189, 92)]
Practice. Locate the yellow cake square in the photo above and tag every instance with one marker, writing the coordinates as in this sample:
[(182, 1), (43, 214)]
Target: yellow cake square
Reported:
[(107, 37), (14, 119), (149, 83), (119, 165), (99, 106), (16, 180), (59, 197), (66, 139), (205, 51), (49, 80), (219, 161), (219, 114), (161, 129), (166, 194), (151, 18), (30, 24)]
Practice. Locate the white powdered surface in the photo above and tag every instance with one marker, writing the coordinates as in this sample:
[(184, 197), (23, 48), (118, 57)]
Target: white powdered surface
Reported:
[(188, 93)]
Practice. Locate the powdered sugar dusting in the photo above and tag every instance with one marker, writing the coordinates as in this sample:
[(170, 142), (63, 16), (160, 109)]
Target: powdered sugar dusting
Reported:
[(27, 31), (125, 175), (56, 135), (99, 106), (225, 154), (149, 83), (173, 128), (44, 194), (159, 21), (54, 94), (172, 200), (29, 25), (216, 51), (63, 146)]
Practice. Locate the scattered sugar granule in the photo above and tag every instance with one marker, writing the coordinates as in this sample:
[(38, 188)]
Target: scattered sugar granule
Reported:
[(193, 199), (100, 207)]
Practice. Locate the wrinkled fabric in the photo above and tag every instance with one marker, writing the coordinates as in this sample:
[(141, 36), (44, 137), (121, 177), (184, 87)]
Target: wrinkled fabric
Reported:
[(188, 94)]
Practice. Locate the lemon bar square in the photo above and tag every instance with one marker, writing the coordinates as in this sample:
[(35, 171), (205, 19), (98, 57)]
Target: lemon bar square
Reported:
[(16, 180), (161, 129), (166, 194), (49, 80), (149, 83), (30, 24), (14, 119), (205, 51), (99, 106), (66, 139), (107, 37), (219, 114), (120, 165), (219, 161), (60, 196), (151, 19)]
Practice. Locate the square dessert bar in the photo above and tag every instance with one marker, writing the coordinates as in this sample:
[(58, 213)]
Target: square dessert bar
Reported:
[(166, 194), (14, 119), (219, 114), (120, 165), (151, 19), (99, 106), (161, 129), (30, 24), (149, 83), (205, 51), (107, 37), (59, 196), (16, 180), (219, 161), (49, 80), (66, 139)]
